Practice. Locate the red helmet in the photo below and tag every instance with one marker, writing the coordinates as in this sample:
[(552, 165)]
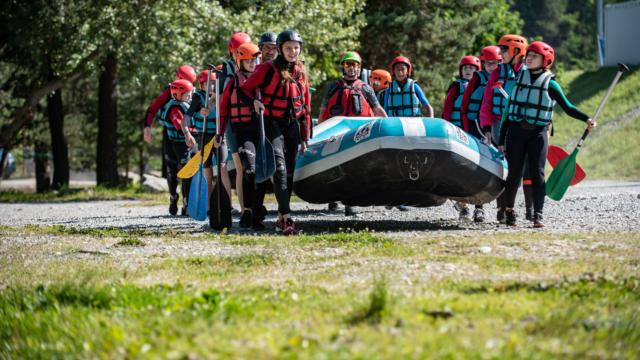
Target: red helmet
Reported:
[(180, 87), (470, 60), (545, 50), (186, 72), (236, 40), (202, 78), (401, 60), (490, 53)]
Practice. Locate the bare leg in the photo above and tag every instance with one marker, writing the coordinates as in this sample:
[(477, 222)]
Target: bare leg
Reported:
[(239, 174)]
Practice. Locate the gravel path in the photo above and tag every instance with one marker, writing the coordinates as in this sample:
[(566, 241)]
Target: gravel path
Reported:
[(590, 206)]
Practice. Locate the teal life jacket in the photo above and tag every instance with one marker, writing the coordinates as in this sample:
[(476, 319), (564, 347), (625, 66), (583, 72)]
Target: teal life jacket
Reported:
[(508, 78), (403, 102), (475, 99), (197, 119), (172, 132), (456, 114), (531, 102)]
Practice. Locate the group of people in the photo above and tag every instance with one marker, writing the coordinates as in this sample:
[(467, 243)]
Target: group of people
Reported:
[(505, 97)]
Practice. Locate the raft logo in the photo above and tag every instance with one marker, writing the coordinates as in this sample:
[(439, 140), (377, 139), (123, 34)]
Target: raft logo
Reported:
[(461, 135), (413, 164), (364, 132)]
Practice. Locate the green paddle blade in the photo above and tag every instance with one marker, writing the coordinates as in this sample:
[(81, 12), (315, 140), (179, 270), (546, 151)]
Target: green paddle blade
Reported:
[(561, 177)]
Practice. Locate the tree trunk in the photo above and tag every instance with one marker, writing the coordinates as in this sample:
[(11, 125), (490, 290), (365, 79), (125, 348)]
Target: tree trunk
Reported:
[(58, 141), (40, 158), (106, 159)]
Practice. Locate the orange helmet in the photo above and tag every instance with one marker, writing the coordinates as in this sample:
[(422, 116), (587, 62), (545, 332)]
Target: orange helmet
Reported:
[(470, 60), (382, 76), (545, 50), (247, 51), (179, 88), (236, 40), (202, 78), (513, 42), (186, 72), (490, 53), (401, 60)]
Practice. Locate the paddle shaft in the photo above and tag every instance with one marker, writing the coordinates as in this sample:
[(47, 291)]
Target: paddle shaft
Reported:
[(218, 152), (621, 69)]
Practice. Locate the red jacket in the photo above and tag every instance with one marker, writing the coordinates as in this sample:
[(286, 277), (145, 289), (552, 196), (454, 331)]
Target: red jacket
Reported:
[(464, 108), (486, 117), (266, 77), (157, 103)]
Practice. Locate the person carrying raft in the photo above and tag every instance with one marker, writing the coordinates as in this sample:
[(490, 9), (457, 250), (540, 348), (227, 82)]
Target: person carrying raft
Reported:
[(350, 96), (523, 132), (499, 85), (286, 102), (452, 112), (404, 97)]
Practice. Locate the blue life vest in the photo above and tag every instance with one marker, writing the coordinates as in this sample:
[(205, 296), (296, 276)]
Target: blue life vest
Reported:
[(172, 132), (475, 99), (508, 78), (403, 102), (531, 102), (197, 119), (456, 116)]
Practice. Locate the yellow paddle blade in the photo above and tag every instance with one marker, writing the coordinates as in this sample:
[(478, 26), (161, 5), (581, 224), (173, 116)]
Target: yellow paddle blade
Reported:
[(191, 167)]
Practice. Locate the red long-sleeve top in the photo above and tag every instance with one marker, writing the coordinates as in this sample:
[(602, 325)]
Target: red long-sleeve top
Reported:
[(176, 116), (486, 117), (162, 99), (466, 99), (263, 76), (447, 108)]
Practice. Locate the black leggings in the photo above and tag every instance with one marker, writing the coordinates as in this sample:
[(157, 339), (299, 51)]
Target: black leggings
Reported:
[(247, 138), (284, 140), (526, 145), (176, 156)]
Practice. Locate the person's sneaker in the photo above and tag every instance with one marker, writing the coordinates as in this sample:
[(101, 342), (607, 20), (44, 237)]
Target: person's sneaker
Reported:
[(235, 211), (257, 226), (464, 214), (510, 217), (183, 212), (349, 211), (173, 205), (289, 228), (500, 216), (529, 214), (478, 215), (537, 221), (402, 208), (245, 219), (280, 224), (262, 213), (388, 207), (333, 206)]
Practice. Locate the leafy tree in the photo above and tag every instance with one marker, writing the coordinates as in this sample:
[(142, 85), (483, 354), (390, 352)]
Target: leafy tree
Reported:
[(434, 34)]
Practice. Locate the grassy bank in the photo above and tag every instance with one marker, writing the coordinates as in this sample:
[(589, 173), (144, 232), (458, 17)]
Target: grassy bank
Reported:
[(611, 151), (119, 294)]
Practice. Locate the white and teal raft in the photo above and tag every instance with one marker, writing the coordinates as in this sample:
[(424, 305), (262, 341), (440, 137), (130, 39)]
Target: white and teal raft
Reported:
[(398, 160)]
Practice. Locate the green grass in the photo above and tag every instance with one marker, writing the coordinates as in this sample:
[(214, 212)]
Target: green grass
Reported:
[(83, 194), (101, 293), (611, 151)]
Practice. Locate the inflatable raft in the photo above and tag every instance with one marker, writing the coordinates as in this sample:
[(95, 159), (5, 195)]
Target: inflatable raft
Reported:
[(393, 161)]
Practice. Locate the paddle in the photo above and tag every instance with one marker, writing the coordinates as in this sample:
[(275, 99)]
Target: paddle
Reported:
[(197, 206), (192, 166), (555, 154), (265, 159), (561, 177), (219, 203)]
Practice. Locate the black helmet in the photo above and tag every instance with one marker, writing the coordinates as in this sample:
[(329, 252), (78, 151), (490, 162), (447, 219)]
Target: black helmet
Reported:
[(288, 35), (268, 38)]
